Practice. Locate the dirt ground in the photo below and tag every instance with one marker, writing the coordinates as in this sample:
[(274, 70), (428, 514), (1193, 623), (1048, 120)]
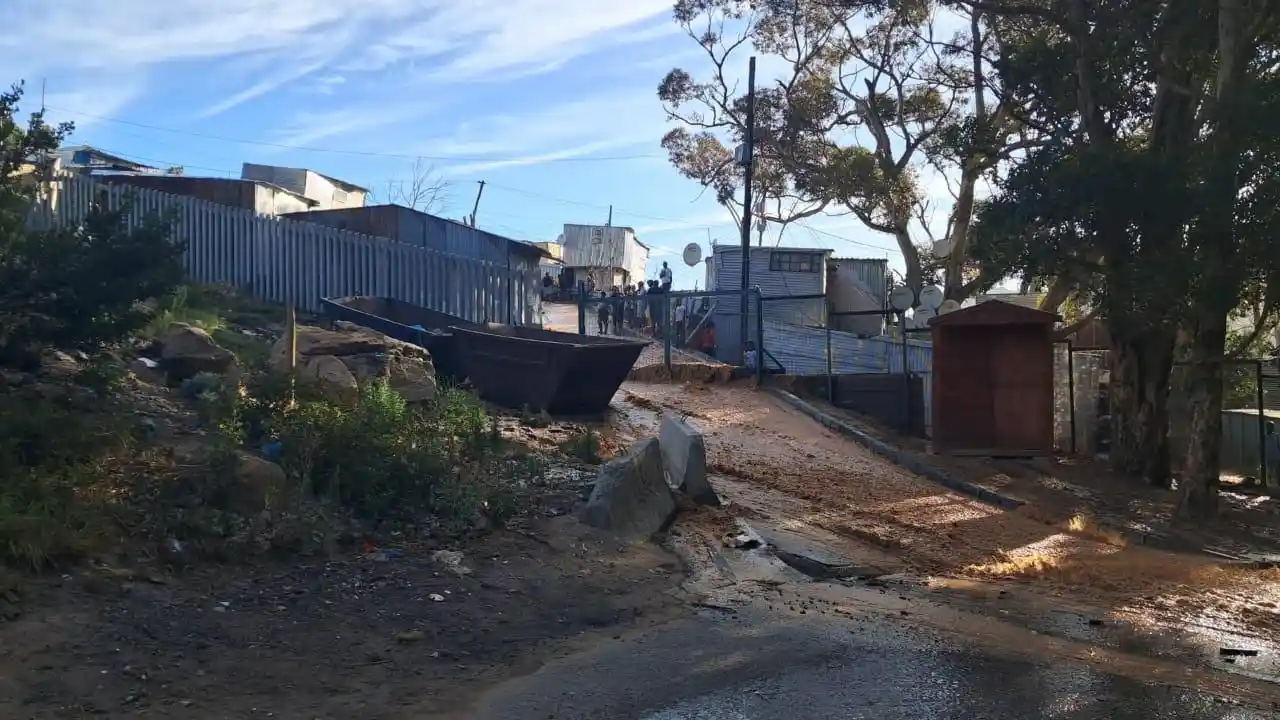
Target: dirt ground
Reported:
[(777, 465), (391, 633)]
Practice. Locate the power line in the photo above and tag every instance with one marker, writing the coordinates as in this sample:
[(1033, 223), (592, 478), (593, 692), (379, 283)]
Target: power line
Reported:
[(597, 206), (879, 248), (338, 151)]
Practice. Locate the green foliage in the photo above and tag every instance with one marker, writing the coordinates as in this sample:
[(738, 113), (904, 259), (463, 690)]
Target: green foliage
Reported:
[(584, 446), (874, 99), (379, 457), (53, 461), (71, 287)]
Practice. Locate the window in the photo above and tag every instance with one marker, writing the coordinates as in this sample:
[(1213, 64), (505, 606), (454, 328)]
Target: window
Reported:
[(339, 196), (799, 262)]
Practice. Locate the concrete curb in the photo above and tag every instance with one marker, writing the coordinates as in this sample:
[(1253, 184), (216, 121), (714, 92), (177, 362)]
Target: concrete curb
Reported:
[(898, 456)]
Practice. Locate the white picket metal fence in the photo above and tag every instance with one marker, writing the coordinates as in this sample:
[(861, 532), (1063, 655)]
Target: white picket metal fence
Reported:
[(290, 261)]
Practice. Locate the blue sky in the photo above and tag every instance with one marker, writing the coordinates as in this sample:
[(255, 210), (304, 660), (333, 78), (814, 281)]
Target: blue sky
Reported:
[(552, 102)]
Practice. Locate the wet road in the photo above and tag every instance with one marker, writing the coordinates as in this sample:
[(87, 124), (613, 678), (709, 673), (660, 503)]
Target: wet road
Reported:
[(762, 667)]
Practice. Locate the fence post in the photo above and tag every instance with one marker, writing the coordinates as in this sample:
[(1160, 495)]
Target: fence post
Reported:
[(906, 376), (666, 330), (759, 336), (1071, 391), (582, 309), (831, 383), (1262, 424)]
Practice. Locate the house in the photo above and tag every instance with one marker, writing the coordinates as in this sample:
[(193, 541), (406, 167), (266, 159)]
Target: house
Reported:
[(329, 193), (414, 227), (261, 197), (797, 274), (609, 254), (87, 160), (857, 285)]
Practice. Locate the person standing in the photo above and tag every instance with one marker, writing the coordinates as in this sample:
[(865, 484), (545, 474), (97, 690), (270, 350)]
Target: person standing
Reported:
[(664, 277), (602, 315)]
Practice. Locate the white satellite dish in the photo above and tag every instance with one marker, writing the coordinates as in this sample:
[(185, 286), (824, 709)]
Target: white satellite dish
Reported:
[(931, 296), (923, 315), (692, 254), (948, 306), (942, 248), (901, 298)]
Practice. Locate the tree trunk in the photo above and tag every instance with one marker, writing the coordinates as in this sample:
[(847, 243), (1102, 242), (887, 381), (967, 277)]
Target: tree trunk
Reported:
[(1140, 366), (1199, 481)]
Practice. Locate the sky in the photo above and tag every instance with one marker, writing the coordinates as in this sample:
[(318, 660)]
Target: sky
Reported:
[(552, 102)]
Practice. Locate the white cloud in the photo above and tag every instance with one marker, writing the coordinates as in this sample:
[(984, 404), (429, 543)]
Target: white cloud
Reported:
[(447, 40)]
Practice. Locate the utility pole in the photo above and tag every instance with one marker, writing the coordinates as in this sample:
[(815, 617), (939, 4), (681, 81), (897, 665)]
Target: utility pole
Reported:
[(476, 207), (747, 160), (609, 222)]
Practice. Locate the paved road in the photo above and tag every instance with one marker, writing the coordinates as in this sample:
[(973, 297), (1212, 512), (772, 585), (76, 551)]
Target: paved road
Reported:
[(812, 668)]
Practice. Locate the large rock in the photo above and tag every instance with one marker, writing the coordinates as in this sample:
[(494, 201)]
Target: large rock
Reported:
[(333, 376), (631, 497), (684, 458), (340, 359), (256, 481), (186, 351), (414, 379)]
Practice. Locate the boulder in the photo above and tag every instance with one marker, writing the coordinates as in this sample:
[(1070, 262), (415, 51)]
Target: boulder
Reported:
[(346, 341), (413, 378), (186, 351), (631, 497), (684, 458), (340, 359), (335, 378), (256, 481)]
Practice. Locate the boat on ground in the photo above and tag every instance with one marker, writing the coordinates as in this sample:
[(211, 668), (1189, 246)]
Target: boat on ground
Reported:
[(514, 366)]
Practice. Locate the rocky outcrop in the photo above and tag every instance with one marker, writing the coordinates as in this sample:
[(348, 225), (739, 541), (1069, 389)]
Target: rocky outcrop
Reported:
[(186, 351), (340, 359)]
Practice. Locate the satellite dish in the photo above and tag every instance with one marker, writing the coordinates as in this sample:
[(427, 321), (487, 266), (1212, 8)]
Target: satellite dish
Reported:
[(931, 296), (692, 254), (948, 306), (923, 315), (901, 298), (942, 248)]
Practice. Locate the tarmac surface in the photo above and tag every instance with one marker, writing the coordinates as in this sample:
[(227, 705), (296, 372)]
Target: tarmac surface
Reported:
[(759, 666)]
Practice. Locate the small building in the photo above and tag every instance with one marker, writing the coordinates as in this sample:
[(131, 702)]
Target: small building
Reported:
[(414, 227), (261, 197), (87, 160), (795, 277), (329, 193), (993, 381), (609, 254)]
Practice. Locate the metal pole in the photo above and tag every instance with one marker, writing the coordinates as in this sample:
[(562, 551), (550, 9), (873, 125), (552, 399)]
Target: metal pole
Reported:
[(1071, 390), (1262, 424), (582, 308), (746, 197), (831, 383), (759, 337), (666, 331), (906, 376)]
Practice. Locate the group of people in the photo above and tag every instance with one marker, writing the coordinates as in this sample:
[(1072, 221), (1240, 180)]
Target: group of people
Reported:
[(639, 307)]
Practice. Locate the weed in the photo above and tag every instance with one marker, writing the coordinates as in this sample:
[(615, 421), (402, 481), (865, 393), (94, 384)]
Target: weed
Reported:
[(584, 446)]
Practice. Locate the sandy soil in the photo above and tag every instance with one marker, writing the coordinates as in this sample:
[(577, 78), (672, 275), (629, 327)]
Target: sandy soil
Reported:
[(782, 465)]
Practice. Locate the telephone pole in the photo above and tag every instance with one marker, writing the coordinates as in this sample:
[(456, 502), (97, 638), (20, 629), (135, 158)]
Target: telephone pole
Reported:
[(747, 160), (476, 207)]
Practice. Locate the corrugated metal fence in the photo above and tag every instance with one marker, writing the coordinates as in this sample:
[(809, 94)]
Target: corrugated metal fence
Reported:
[(803, 351), (281, 260)]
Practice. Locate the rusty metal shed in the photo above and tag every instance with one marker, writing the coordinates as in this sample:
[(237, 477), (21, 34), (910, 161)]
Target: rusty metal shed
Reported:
[(993, 381)]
